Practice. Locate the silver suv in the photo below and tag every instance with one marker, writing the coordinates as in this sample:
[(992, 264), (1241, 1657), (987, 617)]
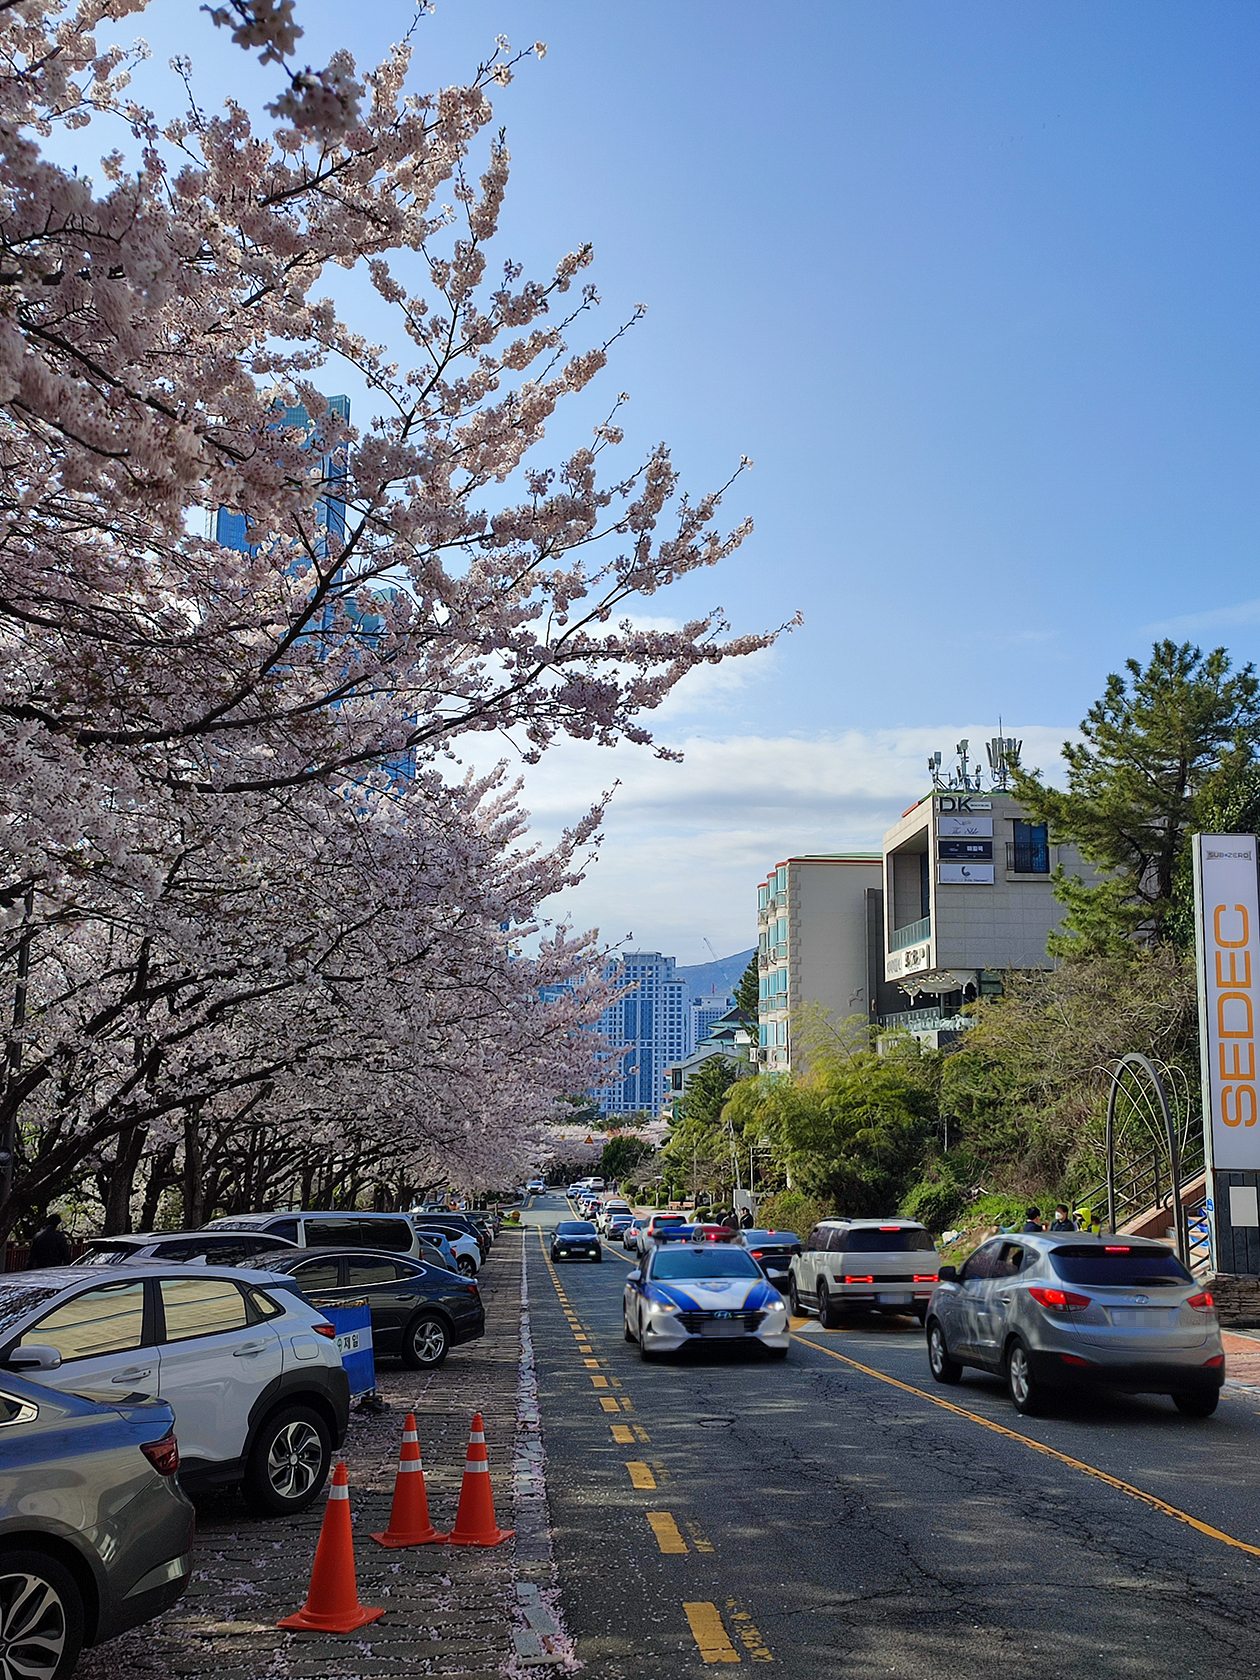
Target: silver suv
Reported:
[(862, 1265), (1053, 1312), (249, 1368)]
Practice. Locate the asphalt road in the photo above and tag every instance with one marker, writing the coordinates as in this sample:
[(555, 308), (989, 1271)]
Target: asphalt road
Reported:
[(808, 1513)]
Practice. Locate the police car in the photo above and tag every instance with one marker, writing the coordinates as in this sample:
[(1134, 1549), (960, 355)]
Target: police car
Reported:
[(688, 1291)]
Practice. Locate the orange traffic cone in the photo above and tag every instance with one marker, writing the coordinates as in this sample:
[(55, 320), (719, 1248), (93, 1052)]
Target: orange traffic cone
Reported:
[(474, 1521), (332, 1600), (409, 1523)]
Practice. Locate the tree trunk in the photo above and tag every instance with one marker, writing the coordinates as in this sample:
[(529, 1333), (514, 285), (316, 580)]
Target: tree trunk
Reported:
[(120, 1180), (161, 1178)]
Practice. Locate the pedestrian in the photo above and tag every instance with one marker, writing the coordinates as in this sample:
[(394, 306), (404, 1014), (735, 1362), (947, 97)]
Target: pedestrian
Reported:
[(1032, 1220), (49, 1246), (1062, 1220), (745, 1220)]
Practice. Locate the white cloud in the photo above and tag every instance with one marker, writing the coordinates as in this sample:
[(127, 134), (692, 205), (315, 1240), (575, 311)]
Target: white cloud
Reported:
[(1216, 618), (686, 844)]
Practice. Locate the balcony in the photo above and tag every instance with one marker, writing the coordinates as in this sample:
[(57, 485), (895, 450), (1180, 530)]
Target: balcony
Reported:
[(1028, 857), (913, 934)]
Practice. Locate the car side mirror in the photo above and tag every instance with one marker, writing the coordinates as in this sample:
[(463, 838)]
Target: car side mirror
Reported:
[(636, 1276), (35, 1356), (948, 1274)]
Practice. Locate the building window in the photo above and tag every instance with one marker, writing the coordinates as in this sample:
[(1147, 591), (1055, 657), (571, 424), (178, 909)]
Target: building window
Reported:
[(1029, 852)]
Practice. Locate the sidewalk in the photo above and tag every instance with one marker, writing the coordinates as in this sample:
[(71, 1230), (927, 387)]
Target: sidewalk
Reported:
[(1242, 1358), (449, 1610)]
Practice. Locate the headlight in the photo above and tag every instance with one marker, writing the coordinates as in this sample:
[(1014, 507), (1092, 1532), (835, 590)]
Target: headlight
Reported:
[(662, 1307), (777, 1311)]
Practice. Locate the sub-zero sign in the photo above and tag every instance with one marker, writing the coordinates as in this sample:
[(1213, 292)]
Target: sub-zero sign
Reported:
[(1229, 979)]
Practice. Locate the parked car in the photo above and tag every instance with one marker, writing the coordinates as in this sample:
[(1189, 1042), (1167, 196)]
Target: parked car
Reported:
[(860, 1265), (252, 1372), (419, 1312), (1085, 1312), (217, 1248), (95, 1533), (575, 1239), (454, 1226), (436, 1251), (773, 1251), (391, 1231), (462, 1244), (617, 1225)]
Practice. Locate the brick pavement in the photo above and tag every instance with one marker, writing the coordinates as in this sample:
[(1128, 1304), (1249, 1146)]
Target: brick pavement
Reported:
[(1242, 1359), (449, 1610)]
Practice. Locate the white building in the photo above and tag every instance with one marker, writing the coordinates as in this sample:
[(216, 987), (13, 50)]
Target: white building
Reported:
[(650, 1020)]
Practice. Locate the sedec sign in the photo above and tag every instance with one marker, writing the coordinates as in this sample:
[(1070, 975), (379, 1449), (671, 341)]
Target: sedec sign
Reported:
[(1227, 938)]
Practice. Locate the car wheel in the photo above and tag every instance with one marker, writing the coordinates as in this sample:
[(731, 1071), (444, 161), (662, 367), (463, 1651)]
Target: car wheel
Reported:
[(921, 1314), (625, 1325), (1027, 1395), (41, 1616), (599, 1257), (828, 1315), (555, 1258), (944, 1369), (1197, 1402), (426, 1343), (795, 1306), (288, 1462), (467, 1265)]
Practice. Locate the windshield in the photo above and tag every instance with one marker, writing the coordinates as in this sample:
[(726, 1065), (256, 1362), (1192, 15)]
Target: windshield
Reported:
[(677, 1263), (781, 1239), (19, 1299), (575, 1228), (896, 1240), (1118, 1267), (106, 1256)]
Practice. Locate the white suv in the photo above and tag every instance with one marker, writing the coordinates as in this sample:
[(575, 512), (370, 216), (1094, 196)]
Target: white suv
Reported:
[(250, 1369), (857, 1265)]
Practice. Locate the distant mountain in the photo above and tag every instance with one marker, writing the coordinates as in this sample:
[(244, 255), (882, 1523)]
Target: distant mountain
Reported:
[(721, 976)]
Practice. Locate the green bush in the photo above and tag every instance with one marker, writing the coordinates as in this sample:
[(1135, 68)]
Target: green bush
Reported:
[(791, 1210), (936, 1205)]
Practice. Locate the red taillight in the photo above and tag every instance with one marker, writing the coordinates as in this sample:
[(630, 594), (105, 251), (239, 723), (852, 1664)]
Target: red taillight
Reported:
[(890, 1227), (1059, 1300), (851, 1279), (758, 1253), (1202, 1303), (322, 1329), (926, 1277), (1215, 1362), (163, 1455), (1072, 1359), (1117, 1250)]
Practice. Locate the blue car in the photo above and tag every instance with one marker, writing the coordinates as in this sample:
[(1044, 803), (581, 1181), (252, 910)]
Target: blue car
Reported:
[(693, 1291), (95, 1533)]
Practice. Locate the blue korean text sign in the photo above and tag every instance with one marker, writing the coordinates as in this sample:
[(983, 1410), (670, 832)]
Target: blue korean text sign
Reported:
[(353, 1325)]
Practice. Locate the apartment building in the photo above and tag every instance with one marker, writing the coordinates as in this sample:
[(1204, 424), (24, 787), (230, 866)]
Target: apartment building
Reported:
[(812, 943)]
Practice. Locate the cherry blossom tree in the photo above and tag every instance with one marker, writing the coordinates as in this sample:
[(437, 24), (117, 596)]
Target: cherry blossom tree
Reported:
[(220, 911)]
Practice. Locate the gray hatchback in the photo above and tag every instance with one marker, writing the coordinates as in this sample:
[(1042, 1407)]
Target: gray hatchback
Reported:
[(1055, 1312)]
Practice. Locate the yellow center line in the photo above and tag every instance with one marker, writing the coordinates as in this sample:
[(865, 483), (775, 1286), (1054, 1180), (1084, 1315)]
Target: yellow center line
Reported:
[(709, 1634), (666, 1531), (591, 1364), (622, 1434), (1137, 1493), (608, 1403), (599, 1382), (640, 1475)]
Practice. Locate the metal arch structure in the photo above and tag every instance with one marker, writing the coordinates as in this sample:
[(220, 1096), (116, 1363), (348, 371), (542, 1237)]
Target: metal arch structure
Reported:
[(1140, 1080)]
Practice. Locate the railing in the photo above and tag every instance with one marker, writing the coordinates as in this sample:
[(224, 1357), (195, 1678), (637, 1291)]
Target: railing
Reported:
[(912, 1020), (911, 934), (1028, 857), (1143, 1182)]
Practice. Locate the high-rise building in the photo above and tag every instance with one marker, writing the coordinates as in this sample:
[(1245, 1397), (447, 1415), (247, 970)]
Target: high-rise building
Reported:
[(702, 1012), (650, 1020)]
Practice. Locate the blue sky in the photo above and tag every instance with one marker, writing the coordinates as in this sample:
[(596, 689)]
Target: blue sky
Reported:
[(973, 284)]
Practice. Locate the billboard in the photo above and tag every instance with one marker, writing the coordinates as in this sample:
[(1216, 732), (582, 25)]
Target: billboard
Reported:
[(1227, 938)]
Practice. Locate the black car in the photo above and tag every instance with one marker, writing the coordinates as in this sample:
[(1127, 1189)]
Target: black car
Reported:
[(576, 1239), (95, 1533), (773, 1251), (420, 1312)]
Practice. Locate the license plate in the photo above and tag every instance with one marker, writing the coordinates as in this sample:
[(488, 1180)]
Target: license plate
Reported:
[(895, 1300), (721, 1327), (1143, 1318)]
